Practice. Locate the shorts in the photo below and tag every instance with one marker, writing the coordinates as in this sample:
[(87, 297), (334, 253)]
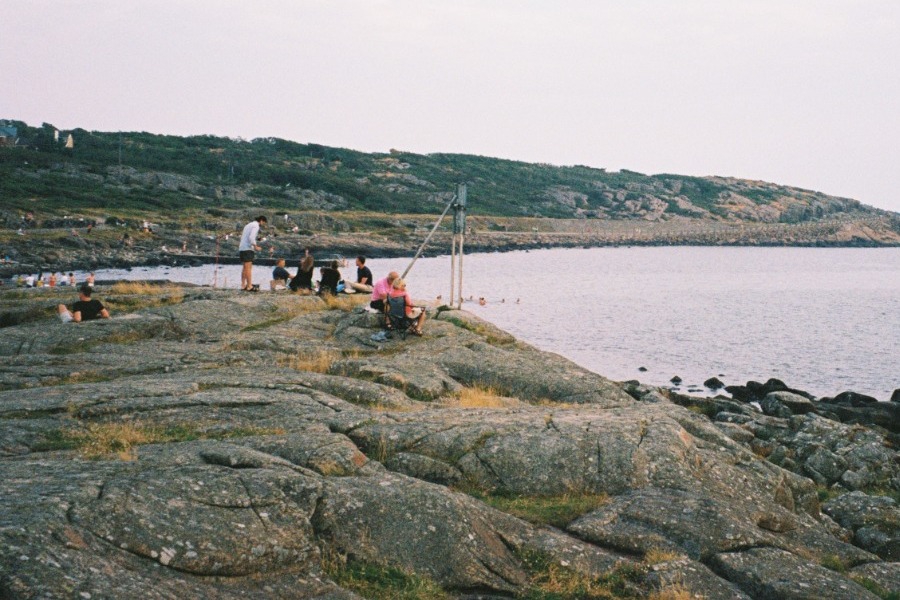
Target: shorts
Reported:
[(65, 317), (246, 255)]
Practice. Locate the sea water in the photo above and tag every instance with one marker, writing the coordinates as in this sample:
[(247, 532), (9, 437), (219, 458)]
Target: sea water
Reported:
[(821, 320)]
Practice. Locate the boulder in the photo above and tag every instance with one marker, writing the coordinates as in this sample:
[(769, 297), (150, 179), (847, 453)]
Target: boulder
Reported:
[(714, 383), (852, 399), (875, 521), (774, 573), (773, 407), (797, 404)]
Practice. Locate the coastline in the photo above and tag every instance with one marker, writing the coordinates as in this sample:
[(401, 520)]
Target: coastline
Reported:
[(112, 246)]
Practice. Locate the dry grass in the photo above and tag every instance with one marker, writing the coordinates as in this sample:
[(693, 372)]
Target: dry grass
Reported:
[(551, 581), (559, 582), (314, 362), (655, 556), (345, 302), (102, 439), (134, 287), (135, 295), (557, 511), (380, 582), (673, 591), (481, 397), (98, 440)]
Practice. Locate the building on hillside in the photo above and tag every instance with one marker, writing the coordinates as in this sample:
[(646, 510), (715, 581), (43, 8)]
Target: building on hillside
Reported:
[(8, 135)]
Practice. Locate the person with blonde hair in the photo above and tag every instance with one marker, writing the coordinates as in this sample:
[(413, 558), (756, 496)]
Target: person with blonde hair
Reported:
[(416, 313), (380, 291), (302, 281)]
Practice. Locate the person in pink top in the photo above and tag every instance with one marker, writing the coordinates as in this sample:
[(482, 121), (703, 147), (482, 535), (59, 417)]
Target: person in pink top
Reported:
[(380, 290), (398, 290)]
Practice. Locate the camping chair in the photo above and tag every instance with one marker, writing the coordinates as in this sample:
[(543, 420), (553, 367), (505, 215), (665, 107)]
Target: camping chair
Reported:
[(395, 318)]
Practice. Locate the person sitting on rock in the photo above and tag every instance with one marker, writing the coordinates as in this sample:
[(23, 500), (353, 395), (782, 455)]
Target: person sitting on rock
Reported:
[(398, 290), (302, 281), (331, 277), (280, 276), (364, 280), (85, 309), (380, 291)]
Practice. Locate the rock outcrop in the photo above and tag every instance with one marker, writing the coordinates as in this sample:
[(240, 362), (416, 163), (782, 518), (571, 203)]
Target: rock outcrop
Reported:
[(222, 445)]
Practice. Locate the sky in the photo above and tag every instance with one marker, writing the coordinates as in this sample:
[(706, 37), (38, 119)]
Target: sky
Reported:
[(801, 92)]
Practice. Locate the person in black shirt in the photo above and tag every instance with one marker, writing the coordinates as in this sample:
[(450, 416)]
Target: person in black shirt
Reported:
[(85, 309), (364, 279), (280, 276), (330, 279)]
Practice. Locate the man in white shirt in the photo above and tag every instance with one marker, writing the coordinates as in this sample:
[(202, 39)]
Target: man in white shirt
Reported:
[(246, 251)]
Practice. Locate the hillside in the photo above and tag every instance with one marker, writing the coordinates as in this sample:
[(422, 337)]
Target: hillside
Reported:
[(199, 189), (147, 171)]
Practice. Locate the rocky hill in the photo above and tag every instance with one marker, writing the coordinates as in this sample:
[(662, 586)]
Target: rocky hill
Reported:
[(79, 200), (119, 172), (214, 444)]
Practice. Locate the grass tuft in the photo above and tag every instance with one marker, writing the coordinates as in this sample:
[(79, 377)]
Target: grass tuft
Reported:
[(875, 588), (378, 582), (344, 302), (552, 581), (834, 563), (672, 591), (314, 362), (655, 556), (481, 397), (557, 511), (98, 440), (129, 296)]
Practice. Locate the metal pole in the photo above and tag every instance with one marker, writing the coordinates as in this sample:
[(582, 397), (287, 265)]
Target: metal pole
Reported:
[(422, 247), (452, 267), (462, 238)]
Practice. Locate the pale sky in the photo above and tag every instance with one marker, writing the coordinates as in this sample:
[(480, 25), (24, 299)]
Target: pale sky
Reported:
[(796, 92)]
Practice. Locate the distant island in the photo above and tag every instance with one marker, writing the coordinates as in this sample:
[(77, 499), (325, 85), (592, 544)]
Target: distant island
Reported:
[(80, 199)]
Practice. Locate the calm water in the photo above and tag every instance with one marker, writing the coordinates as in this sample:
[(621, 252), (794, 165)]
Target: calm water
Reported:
[(823, 320)]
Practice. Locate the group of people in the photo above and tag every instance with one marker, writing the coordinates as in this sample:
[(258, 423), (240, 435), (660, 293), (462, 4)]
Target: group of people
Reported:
[(51, 280), (330, 281)]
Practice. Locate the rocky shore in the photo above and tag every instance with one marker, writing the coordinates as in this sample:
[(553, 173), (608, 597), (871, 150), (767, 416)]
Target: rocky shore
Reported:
[(216, 444), (66, 243)]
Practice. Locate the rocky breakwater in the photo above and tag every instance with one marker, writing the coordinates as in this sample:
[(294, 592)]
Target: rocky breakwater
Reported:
[(214, 444)]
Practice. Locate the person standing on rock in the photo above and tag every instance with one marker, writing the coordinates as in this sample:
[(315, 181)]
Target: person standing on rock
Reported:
[(85, 309), (247, 250)]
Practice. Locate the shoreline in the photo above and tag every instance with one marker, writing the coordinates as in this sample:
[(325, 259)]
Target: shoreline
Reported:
[(151, 258)]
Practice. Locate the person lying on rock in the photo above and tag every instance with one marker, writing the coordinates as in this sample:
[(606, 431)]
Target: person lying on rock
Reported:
[(85, 309)]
